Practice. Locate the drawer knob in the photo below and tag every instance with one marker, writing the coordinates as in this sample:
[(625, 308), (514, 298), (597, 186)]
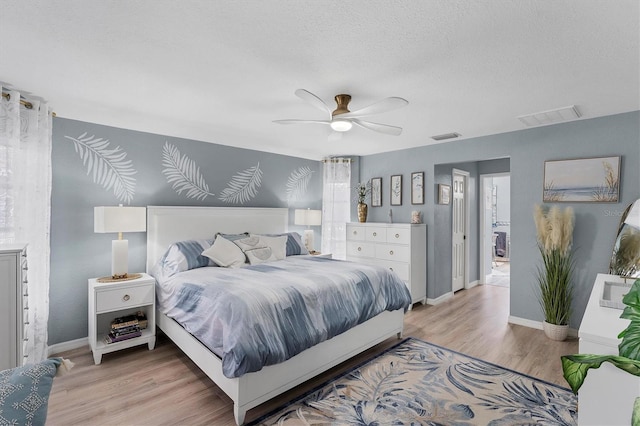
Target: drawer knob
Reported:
[(375, 234), (126, 298), (355, 232), (391, 269), (359, 248), (397, 235), (391, 252)]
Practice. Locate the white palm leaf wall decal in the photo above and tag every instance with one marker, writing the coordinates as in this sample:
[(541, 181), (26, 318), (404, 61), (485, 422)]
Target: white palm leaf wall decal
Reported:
[(183, 173), (298, 182), (243, 186), (107, 166)]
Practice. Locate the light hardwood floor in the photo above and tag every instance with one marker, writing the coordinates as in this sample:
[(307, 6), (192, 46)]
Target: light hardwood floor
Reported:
[(141, 387)]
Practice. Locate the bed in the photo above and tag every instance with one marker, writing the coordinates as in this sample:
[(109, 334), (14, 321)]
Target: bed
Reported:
[(167, 225)]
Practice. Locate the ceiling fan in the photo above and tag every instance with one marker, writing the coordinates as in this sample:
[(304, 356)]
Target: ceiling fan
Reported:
[(342, 120)]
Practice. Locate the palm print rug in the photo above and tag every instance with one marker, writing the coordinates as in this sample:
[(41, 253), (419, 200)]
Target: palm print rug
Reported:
[(419, 383)]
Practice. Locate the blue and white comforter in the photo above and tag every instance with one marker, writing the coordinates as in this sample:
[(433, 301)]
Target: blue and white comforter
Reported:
[(265, 314)]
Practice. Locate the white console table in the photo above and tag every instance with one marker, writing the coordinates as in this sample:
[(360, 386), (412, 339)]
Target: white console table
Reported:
[(608, 393)]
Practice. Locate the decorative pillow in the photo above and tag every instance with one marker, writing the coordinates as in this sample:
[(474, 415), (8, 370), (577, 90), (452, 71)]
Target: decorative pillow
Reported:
[(225, 253), (24, 392), (182, 256), (294, 243), (233, 237), (256, 249), (278, 245)]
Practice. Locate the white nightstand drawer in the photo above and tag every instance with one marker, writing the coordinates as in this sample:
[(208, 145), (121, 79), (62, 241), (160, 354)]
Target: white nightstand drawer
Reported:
[(109, 300), (376, 234), (399, 235), (356, 233), (359, 249), (392, 252)]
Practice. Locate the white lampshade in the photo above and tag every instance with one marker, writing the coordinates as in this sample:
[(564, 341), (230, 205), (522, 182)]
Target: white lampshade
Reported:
[(308, 217), (119, 219)]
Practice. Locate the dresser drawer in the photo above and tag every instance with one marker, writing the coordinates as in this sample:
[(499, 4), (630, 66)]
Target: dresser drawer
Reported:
[(400, 268), (359, 249), (356, 233), (110, 300), (399, 235), (377, 235), (393, 252)]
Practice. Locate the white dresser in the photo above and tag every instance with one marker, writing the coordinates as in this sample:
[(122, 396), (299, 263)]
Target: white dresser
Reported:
[(608, 393), (401, 247), (14, 318)]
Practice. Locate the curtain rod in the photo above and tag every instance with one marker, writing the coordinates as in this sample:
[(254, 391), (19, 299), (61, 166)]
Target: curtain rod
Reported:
[(26, 104)]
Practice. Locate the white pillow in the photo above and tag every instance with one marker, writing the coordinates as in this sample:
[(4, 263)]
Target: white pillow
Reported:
[(225, 253), (278, 245), (260, 255)]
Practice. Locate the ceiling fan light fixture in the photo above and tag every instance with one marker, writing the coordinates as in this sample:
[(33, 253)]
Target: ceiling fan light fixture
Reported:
[(341, 125)]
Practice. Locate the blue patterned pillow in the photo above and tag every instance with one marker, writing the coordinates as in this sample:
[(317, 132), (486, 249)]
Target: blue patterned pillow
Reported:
[(24, 392), (294, 243), (182, 256)]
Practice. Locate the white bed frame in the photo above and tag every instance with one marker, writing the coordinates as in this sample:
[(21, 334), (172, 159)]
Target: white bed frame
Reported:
[(166, 225)]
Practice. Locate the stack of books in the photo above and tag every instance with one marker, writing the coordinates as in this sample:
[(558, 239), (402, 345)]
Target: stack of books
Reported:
[(127, 327)]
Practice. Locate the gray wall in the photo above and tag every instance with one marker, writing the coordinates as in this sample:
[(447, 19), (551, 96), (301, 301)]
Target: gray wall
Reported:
[(77, 253), (526, 150)]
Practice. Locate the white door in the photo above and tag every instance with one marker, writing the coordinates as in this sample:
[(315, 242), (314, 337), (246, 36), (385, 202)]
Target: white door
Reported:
[(458, 230)]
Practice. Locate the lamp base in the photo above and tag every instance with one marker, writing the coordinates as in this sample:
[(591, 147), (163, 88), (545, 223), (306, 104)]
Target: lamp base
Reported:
[(115, 279), (307, 238)]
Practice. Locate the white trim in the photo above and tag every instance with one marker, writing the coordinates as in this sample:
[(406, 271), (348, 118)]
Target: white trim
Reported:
[(472, 284), (67, 346), (440, 299), (535, 324)]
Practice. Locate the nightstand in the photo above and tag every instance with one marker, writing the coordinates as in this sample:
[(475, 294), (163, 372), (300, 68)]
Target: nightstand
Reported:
[(111, 300)]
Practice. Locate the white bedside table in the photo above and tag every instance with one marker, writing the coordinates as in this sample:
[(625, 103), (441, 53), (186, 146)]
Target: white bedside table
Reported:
[(115, 299)]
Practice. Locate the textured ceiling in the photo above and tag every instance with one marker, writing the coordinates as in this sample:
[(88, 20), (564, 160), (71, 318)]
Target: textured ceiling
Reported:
[(221, 71)]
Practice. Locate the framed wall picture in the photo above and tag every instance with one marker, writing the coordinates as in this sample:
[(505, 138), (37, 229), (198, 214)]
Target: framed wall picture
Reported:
[(376, 192), (595, 180), (444, 193), (396, 190), (417, 188)]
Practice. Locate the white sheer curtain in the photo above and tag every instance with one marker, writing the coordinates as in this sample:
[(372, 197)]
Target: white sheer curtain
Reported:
[(25, 201), (336, 206)]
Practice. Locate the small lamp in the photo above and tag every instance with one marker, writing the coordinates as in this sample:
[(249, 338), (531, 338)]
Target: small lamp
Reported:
[(119, 219), (309, 218)]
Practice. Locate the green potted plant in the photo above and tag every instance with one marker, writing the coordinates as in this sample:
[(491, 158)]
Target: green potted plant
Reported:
[(554, 229), (575, 367)]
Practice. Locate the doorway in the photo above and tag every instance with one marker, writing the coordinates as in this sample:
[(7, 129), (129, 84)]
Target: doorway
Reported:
[(495, 222)]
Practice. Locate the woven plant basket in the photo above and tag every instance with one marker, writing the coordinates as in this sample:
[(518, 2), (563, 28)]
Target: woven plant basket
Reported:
[(555, 332)]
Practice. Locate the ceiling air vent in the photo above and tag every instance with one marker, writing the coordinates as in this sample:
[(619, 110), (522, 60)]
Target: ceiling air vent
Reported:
[(445, 136), (550, 117)]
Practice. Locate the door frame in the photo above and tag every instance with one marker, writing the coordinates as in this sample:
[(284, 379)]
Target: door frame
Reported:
[(465, 279), (482, 231)]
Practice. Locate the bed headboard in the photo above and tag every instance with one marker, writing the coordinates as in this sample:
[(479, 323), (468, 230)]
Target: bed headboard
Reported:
[(168, 224)]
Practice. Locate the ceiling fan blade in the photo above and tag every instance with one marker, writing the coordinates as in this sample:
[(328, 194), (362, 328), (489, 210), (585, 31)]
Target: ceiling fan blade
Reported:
[(302, 121), (384, 105), (377, 127), (312, 99)]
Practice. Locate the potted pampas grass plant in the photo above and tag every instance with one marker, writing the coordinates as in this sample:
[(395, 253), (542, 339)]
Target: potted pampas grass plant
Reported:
[(554, 229)]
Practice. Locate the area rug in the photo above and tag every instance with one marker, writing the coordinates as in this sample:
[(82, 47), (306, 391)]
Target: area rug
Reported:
[(419, 383)]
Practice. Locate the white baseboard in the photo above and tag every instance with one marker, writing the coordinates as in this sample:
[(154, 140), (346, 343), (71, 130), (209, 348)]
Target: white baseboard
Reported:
[(536, 324), (67, 346), (472, 284), (440, 299)]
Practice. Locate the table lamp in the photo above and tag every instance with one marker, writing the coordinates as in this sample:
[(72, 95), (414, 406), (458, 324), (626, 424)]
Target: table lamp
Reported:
[(309, 218), (120, 219)]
